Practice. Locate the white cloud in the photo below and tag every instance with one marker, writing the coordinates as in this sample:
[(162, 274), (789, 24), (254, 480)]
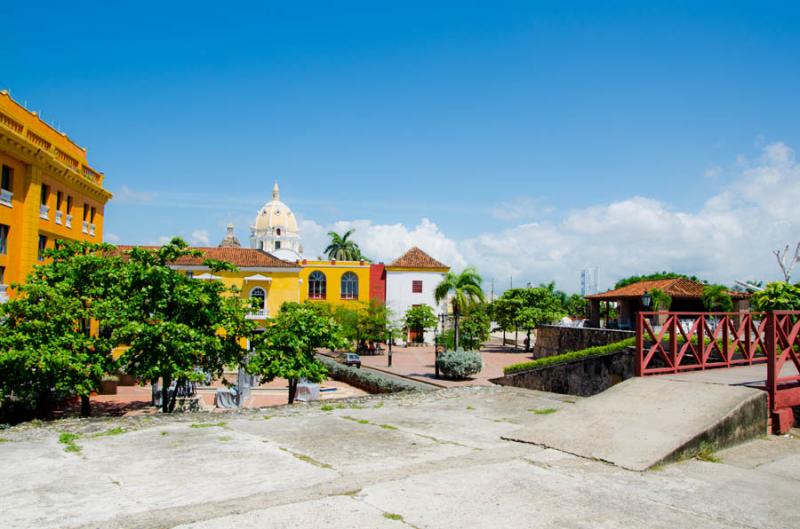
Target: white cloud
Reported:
[(519, 208), (113, 238), (200, 238), (730, 237), (129, 196), (385, 242)]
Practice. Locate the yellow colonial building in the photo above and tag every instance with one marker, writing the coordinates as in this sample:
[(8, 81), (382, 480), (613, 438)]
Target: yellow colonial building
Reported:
[(335, 282), (48, 191)]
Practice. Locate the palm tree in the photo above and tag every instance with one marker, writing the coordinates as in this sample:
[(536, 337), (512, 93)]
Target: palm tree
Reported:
[(465, 289), (342, 248)]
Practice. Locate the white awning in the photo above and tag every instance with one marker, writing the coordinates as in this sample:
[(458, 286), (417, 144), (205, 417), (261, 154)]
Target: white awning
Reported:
[(207, 277), (257, 277)]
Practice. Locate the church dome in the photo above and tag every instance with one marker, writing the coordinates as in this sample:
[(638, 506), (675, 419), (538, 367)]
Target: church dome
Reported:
[(275, 227), (276, 215)]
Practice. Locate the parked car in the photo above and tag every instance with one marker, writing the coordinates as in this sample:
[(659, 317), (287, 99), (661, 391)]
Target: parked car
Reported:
[(350, 359)]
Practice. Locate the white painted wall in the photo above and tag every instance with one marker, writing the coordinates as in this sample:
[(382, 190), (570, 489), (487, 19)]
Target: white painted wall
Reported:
[(400, 298)]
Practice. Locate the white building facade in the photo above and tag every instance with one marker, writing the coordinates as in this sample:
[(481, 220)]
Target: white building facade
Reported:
[(411, 280)]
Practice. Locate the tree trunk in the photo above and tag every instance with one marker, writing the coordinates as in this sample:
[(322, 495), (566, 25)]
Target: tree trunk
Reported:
[(166, 382), (44, 404), (292, 389), (516, 337), (528, 343), (86, 406)]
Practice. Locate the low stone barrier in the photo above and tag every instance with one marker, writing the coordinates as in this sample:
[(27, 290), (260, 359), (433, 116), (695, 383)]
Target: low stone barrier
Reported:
[(554, 340), (583, 376), (369, 381)]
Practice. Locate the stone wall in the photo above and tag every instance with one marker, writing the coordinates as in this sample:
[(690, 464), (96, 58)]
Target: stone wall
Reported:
[(552, 340), (583, 377)]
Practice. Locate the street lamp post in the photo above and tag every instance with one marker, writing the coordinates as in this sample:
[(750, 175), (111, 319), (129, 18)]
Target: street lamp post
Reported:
[(389, 345)]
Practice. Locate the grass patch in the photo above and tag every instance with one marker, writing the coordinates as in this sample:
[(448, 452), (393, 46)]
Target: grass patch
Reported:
[(220, 424), (470, 408), (378, 405), (326, 407), (164, 433), (267, 417), (707, 453), (109, 433), (4, 440), (350, 493), (307, 459), (225, 438), (567, 357), (388, 427), (68, 440), (543, 411), (392, 516), (359, 421)]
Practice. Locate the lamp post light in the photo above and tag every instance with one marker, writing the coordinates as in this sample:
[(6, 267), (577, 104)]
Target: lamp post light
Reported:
[(646, 300), (436, 351), (389, 345)]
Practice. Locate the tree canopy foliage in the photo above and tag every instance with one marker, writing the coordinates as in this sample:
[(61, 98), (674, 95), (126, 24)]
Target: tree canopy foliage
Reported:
[(420, 317), (463, 289), (48, 348), (717, 298), (287, 348), (778, 295), (177, 327), (342, 248)]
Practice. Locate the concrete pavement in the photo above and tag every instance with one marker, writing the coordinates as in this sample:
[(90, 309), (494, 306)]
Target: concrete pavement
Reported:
[(425, 460), (648, 421)]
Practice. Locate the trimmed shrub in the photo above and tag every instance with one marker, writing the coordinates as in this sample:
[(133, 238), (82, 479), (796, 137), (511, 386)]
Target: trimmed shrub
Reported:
[(460, 364), (370, 382), (567, 357)]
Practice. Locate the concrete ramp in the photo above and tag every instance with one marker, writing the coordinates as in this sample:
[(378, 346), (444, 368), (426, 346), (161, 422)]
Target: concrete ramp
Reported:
[(647, 421)]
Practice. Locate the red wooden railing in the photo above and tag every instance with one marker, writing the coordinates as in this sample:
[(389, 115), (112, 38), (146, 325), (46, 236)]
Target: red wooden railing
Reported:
[(687, 341)]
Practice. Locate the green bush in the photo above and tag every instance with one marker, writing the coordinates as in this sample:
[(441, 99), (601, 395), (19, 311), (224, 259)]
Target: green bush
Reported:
[(370, 382), (460, 364), (566, 357)]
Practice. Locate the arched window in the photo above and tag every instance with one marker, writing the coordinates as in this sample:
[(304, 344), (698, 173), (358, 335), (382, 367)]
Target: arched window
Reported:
[(316, 285), (349, 286), (259, 294)]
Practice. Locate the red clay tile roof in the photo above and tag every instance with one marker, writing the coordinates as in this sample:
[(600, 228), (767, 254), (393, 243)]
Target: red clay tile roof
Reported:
[(676, 288), (241, 257), (416, 258)]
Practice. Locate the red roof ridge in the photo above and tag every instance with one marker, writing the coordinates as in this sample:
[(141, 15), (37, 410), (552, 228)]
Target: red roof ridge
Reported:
[(414, 257)]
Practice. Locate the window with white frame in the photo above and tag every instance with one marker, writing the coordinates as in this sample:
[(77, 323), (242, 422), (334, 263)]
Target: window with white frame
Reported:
[(317, 285), (349, 286)]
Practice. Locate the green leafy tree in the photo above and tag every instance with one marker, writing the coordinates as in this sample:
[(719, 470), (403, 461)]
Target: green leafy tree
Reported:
[(539, 306), (287, 348), (464, 290), (342, 248), (504, 312), (778, 295), (660, 299), (418, 318), (717, 298), (374, 321), (475, 327), (576, 305), (48, 346), (177, 327)]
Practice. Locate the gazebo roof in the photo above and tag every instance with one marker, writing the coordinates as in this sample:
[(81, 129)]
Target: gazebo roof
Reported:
[(676, 288)]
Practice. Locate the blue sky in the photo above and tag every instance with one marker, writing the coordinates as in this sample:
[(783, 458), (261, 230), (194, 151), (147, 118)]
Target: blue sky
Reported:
[(486, 120)]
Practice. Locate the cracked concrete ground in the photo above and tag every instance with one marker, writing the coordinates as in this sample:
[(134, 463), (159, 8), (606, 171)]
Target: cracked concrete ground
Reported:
[(432, 460)]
